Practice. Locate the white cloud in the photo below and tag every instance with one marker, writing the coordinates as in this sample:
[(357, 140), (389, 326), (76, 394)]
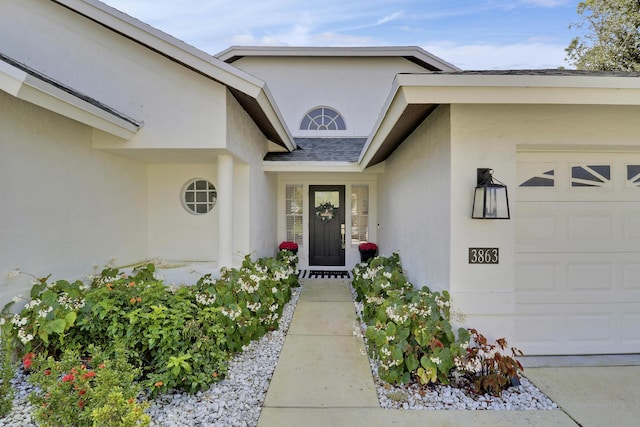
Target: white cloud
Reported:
[(528, 55), (389, 18)]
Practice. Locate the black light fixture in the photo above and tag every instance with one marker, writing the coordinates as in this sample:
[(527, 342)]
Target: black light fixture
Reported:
[(490, 200)]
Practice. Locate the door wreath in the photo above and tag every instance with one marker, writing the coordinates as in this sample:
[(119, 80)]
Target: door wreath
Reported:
[(326, 211)]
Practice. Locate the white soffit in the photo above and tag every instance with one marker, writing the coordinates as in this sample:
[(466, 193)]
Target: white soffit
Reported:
[(29, 88)]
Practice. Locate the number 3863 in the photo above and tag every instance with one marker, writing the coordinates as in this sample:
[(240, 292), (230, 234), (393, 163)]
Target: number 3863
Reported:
[(483, 256)]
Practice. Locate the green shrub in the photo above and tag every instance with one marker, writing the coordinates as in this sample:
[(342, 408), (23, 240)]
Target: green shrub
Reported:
[(178, 338), (86, 392), (7, 369)]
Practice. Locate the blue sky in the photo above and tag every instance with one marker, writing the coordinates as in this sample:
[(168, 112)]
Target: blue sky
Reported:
[(490, 34)]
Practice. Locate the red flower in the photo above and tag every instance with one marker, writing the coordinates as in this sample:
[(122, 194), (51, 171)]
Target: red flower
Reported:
[(288, 246), (47, 372), (88, 375), (27, 360), (68, 378), (81, 404), (368, 246)]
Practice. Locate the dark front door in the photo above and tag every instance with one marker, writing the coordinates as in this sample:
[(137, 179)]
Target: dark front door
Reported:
[(326, 225)]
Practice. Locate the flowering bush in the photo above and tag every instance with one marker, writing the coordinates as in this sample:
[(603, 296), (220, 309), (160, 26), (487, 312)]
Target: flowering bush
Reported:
[(51, 312), (410, 335), (288, 246), (178, 338), (98, 391), (367, 247), (408, 330)]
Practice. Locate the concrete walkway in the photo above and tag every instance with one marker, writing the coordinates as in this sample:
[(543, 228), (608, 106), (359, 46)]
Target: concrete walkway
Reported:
[(323, 379)]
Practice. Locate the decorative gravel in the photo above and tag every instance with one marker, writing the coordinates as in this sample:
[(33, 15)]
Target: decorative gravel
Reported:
[(457, 396)]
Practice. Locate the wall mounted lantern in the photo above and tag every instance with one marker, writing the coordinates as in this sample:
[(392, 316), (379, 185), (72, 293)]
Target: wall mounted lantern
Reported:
[(490, 200)]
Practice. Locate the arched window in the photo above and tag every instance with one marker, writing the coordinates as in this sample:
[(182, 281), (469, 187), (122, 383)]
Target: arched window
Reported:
[(322, 118)]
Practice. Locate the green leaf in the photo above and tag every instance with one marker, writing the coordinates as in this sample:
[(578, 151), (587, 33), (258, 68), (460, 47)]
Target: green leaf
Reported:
[(57, 326), (37, 288), (70, 319)]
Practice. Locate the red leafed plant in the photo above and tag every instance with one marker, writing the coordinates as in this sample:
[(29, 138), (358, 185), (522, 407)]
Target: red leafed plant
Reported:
[(491, 368), (368, 247)]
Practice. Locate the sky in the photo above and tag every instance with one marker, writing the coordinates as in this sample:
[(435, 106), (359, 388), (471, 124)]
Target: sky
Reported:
[(473, 35)]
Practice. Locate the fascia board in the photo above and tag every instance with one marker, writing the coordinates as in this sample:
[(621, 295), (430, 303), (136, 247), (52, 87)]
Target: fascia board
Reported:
[(235, 52), (266, 101), (11, 78), (458, 89), (391, 111), (31, 89), (333, 167)]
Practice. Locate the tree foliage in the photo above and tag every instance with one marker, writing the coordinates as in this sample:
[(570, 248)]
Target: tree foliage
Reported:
[(610, 39)]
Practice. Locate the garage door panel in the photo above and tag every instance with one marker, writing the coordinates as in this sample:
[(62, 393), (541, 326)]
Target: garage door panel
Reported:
[(577, 278), (577, 227), (631, 274), (630, 329), (578, 328)]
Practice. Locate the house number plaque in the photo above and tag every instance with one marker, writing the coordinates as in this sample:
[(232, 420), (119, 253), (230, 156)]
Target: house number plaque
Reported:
[(484, 255)]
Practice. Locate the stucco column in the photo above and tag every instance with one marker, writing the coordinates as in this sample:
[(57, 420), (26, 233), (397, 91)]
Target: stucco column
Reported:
[(225, 210)]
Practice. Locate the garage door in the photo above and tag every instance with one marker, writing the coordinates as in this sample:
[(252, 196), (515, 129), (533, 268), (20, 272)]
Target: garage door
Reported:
[(578, 253)]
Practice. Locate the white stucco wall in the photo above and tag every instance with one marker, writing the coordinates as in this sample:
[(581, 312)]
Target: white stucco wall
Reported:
[(355, 87), (414, 203), (65, 207), (179, 108), (174, 233), (255, 197)]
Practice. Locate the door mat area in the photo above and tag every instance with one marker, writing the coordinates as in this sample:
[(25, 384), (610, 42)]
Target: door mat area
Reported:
[(325, 274)]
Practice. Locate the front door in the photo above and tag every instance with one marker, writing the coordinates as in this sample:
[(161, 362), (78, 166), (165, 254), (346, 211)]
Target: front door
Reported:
[(326, 225)]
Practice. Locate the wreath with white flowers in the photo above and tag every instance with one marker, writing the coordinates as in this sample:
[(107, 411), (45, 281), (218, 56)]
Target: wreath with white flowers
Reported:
[(326, 211)]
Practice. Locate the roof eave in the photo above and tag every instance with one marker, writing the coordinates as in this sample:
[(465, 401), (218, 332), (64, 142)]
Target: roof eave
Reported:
[(414, 54), (189, 57), (29, 88), (414, 96)]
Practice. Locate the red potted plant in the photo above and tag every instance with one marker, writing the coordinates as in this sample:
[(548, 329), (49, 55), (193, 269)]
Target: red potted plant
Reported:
[(289, 246), (367, 250)]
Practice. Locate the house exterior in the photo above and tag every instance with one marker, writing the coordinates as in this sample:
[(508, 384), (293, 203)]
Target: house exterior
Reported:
[(119, 142)]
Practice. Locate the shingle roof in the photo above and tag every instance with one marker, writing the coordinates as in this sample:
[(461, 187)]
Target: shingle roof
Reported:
[(321, 150)]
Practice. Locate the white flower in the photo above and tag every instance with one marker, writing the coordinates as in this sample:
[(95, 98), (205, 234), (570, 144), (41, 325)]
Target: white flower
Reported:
[(13, 274), (274, 290), (17, 298), (2, 321), (436, 360)]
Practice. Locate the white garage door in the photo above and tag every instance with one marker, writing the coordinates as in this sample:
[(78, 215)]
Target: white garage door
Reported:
[(578, 253)]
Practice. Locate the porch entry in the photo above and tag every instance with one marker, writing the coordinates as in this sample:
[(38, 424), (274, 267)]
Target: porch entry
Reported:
[(326, 225)]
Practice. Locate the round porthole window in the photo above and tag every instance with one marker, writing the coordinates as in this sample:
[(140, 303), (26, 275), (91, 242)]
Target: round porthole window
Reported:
[(199, 196)]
